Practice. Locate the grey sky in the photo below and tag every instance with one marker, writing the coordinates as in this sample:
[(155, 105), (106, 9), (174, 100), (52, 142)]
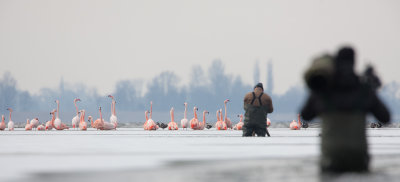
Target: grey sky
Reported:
[(99, 42)]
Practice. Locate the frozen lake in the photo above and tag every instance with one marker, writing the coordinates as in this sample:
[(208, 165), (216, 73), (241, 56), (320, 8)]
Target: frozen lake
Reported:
[(208, 155)]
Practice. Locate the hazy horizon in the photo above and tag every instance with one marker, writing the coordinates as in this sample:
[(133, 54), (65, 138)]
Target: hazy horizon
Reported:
[(97, 43)]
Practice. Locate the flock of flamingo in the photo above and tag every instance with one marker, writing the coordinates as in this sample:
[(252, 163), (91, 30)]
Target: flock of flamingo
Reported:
[(78, 121)]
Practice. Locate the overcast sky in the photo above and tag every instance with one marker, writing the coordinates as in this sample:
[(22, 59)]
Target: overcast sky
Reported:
[(99, 42)]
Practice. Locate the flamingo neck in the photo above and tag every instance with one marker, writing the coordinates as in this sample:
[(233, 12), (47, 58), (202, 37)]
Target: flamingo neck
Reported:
[(146, 115), (101, 117), (27, 121), (298, 120), (115, 113), (195, 113), (10, 115), (218, 115), (172, 115), (204, 117), (91, 121), (2, 118)]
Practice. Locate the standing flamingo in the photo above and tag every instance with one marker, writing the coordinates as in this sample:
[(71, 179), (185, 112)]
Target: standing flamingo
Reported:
[(2, 124), (58, 125), (194, 122), (28, 126), (10, 122), (239, 126), (203, 124), (75, 120), (220, 125), (146, 115), (295, 125), (184, 121), (106, 125), (113, 117), (82, 123), (227, 120), (172, 125), (50, 124), (35, 123), (151, 125)]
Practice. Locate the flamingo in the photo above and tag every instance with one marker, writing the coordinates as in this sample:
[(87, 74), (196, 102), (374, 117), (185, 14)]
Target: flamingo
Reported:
[(28, 126), (150, 124), (113, 117), (41, 127), (239, 126), (82, 123), (58, 125), (106, 125), (146, 114), (172, 125), (203, 124), (268, 122), (35, 123), (2, 124), (184, 121), (220, 125), (10, 122), (50, 124), (227, 120), (295, 125), (194, 122), (75, 120)]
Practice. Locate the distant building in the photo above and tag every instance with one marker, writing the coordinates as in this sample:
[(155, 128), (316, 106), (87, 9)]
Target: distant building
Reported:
[(270, 79)]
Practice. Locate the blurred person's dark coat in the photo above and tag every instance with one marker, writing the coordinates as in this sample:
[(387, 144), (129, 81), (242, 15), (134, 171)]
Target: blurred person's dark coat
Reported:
[(257, 105), (343, 105)]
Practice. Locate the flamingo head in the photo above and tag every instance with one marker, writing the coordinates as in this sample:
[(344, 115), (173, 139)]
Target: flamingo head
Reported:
[(99, 108), (195, 108), (57, 101), (37, 119), (146, 112), (77, 99), (9, 109), (90, 118), (172, 109), (226, 101), (206, 112), (185, 104), (112, 97)]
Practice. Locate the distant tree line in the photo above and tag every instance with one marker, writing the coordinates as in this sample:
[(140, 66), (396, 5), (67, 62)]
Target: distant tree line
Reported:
[(207, 89)]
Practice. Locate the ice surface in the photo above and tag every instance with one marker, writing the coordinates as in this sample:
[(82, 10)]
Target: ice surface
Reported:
[(208, 155)]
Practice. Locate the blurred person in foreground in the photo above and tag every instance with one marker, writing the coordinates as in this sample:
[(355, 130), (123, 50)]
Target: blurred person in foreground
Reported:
[(342, 101), (257, 105)]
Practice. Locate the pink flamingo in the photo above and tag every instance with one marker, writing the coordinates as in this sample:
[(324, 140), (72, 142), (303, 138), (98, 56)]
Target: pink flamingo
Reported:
[(75, 120), (151, 125), (106, 125), (172, 125), (203, 124), (10, 122), (34, 123), (82, 123), (58, 125), (239, 126), (221, 125), (184, 121), (295, 125), (28, 126), (194, 122), (227, 120), (50, 124), (113, 117), (41, 127), (146, 115), (2, 124)]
